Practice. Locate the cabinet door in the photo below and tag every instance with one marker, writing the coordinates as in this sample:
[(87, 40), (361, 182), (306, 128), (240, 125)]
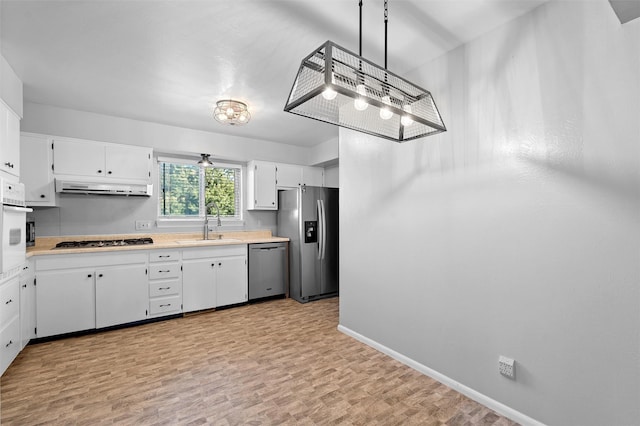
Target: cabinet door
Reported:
[(27, 305), (9, 141), (198, 285), (265, 193), (36, 157), (231, 280), (122, 295), (9, 301), (78, 157), (313, 176), (288, 175), (65, 301), (128, 162)]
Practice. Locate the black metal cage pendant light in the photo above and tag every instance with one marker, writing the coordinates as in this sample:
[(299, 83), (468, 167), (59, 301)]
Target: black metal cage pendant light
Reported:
[(337, 86)]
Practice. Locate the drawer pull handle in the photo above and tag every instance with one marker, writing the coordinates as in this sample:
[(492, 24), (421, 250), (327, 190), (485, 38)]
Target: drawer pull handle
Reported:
[(164, 288), (163, 271), (9, 344), (8, 301), (167, 255), (164, 306)]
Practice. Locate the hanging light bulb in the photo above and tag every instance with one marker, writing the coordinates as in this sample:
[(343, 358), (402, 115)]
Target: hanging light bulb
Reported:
[(360, 103), (385, 112), (406, 120), (329, 94)]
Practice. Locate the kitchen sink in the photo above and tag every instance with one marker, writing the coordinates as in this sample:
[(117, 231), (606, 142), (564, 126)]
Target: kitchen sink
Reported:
[(212, 241)]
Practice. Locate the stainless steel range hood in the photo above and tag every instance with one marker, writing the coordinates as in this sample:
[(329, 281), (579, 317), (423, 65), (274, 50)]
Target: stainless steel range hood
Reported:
[(69, 186)]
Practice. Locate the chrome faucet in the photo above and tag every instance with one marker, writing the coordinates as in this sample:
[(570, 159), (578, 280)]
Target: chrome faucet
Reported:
[(206, 219)]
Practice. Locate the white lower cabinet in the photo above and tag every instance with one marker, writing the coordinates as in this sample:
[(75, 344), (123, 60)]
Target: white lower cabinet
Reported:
[(198, 284), (121, 295), (85, 291), (27, 304), (165, 283), (65, 301), (213, 277), (232, 281), (77, 292), (10, 344)]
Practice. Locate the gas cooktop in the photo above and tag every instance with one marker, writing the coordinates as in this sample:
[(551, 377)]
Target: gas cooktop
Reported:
[(103, 243)]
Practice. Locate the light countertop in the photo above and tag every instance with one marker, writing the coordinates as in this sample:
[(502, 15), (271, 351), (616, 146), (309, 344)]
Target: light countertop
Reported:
[(45, 245)]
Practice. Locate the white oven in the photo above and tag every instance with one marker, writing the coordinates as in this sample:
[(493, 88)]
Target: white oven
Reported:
[(12, 224)]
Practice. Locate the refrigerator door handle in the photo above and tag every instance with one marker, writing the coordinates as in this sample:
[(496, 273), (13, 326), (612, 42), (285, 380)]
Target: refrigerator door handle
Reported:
[(321, 227), (324, 229)]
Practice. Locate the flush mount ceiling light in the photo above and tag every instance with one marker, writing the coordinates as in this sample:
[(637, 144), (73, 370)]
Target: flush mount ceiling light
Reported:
[(339, 87), (204, 161), (231, 112)]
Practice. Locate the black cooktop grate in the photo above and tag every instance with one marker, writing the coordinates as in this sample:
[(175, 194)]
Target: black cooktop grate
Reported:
[(104, 243)]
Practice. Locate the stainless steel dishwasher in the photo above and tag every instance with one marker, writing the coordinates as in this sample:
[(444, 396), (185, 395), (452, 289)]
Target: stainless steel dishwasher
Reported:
[(268, 270)]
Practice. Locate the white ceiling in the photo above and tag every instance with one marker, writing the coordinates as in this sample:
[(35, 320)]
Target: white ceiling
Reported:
[(169, 61)]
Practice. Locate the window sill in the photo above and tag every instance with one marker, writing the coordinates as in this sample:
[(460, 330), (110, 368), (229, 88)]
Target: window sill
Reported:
[(196, 222)]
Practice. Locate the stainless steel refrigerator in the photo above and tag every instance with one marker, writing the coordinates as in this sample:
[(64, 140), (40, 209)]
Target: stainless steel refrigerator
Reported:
[(308, 216)]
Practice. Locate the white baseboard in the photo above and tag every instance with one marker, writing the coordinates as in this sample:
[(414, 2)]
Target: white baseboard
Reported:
[(496, 406)]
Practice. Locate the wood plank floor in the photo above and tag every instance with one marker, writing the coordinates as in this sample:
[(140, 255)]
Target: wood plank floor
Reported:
[(278, 362)]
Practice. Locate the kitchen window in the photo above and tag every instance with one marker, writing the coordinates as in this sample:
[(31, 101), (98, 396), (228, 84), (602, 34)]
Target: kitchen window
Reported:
[(185, 189)]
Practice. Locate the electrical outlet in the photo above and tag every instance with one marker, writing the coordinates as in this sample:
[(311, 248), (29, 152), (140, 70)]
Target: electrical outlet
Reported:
[(143, 225), (507, 367)]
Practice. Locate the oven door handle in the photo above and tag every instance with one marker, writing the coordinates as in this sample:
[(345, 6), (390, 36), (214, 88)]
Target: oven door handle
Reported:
[(18, 209)]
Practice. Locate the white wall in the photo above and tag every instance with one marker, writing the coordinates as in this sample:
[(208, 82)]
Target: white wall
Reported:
[(517, 232), (324, 153), (10, 87), (57, 121), (81, 215)]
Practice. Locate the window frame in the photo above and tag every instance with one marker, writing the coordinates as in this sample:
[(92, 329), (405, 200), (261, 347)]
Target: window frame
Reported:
[(185, 221)]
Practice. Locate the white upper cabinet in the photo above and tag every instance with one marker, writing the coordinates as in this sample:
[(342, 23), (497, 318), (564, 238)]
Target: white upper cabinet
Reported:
[(128, 162), (261, 186), (312, 176), (288, 175), (76, 157), (265, 178), (36, 157), (9, 141), (292, 176)]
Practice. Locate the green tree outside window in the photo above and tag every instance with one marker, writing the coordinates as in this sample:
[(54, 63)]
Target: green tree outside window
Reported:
[(183, 185)]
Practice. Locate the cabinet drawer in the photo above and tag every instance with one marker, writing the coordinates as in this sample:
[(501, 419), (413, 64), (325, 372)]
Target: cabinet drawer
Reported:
[(165, 288), (164, 270), (164, 255), (165, 305), (9, 301), (9, 343)]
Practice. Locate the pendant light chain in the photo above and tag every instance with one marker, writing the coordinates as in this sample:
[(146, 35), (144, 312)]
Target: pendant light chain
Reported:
[(360, 6), (386, 20)]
